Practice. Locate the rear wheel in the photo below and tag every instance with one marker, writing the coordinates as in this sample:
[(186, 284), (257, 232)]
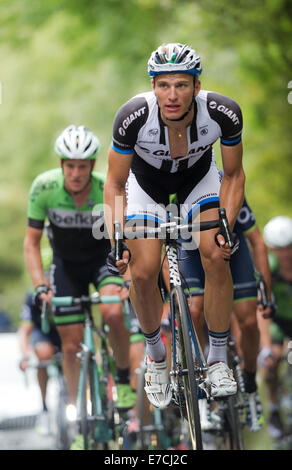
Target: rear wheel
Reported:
[(231, 433), (232, 426), (62, 437)]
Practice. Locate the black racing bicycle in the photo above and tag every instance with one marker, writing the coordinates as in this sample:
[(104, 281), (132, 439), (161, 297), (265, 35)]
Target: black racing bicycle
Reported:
[(188, 365)]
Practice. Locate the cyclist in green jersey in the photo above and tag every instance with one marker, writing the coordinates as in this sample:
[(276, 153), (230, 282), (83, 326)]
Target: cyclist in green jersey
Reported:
[(278, 238), (67, 196)]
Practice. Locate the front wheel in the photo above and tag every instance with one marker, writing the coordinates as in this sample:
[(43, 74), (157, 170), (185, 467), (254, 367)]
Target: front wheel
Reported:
[(84, 418), (186, 360)]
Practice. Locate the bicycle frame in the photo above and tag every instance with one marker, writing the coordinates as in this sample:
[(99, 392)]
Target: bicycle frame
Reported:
[(88, 347), (176, 282)]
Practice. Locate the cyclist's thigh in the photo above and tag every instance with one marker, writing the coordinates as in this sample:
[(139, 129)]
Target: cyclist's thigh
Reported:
[(71, 336), (202, 204), (243, 273), (191, 268), (69, 279), (209, 251), (42, 344), (145, 205), (145, 259), (203, 196)]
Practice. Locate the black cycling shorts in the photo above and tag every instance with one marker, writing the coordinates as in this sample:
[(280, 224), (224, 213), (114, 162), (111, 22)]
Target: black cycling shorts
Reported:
[(73, 279), (241, 265)]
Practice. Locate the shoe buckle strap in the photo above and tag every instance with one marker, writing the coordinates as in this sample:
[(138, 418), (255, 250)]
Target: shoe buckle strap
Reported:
[(155, 378), (153, 388)]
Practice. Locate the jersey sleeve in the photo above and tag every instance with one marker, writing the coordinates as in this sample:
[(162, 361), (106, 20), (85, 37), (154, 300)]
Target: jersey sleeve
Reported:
[(128, 120), (37, 206), (246, 219), (227, 113)]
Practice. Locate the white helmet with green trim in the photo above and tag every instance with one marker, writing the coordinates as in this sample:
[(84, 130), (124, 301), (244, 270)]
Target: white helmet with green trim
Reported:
[(278, 232), (174, 58), (77, 143)]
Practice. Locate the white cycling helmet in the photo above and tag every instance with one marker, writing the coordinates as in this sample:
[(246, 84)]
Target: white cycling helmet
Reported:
[(77, 143), (174, 58), (278, 232)]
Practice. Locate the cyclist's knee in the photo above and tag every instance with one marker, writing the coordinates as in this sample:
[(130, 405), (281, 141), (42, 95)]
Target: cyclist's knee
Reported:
[(70, 349), (44, 351), (114, 318), (248, 322), (197, 313), (214, 264), (143, 280)]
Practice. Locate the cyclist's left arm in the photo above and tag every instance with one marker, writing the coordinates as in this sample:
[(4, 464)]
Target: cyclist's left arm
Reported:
[(232, 186), (260, 257)]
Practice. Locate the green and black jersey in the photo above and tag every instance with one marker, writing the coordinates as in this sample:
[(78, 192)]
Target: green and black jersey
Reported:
[(282, 290), (71, 229)]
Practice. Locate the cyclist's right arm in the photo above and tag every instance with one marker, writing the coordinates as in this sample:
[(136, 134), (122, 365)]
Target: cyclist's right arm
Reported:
[(34, 231), (115, 195), (32, 252), (125, 133)]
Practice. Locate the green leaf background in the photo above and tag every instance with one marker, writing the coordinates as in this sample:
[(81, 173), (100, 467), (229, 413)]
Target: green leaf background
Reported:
[(66, 62)]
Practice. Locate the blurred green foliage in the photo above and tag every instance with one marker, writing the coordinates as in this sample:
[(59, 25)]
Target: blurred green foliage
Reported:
[(68, 61)]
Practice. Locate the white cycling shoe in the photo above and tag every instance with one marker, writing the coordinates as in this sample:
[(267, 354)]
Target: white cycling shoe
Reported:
[(222, 380), (157, 386)]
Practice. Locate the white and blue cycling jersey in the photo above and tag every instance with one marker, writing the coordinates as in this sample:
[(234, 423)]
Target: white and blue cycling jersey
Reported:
[(139, 130)]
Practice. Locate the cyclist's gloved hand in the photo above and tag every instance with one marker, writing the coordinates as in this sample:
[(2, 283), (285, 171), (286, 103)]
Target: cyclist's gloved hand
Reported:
[(269, 310), (111, 260), (43, 289), (234, 238)]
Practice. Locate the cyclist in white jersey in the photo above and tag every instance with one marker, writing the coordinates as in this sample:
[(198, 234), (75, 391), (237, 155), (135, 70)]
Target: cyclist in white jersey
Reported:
[(162, 144)]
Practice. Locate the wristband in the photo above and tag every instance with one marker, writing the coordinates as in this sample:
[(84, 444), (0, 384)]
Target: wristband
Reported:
[(43, 288)]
